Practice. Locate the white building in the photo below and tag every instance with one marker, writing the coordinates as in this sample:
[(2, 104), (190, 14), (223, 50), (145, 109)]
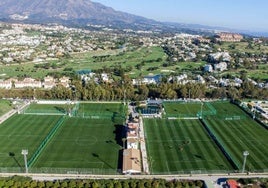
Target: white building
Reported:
[(132, 143), (64, 81), (6, 84), (132, 130), (224, 82), (105, 77), (238, 82), (200, 79), (28, 82), (220, 66), (224, 56), (49, 82), (208, 68), (213, 79)]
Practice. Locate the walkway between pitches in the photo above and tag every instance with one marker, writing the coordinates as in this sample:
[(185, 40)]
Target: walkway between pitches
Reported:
[(146, 169)]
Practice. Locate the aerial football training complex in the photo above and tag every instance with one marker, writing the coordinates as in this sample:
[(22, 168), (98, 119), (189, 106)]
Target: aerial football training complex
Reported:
[(89, 138)]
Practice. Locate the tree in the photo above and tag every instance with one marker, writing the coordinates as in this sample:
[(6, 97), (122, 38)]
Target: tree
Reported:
[(218, 93), (125, 184), (233, 93), (117, 184), (142, 92), (249, 90)]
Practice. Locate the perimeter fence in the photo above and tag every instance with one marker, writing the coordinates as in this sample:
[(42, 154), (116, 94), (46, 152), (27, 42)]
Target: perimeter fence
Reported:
[(97, 171), (48, 170), (220, 144), (44, 142)]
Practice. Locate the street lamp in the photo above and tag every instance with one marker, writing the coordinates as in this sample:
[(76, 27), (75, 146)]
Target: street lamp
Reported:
[(245, 154), (24, 152)]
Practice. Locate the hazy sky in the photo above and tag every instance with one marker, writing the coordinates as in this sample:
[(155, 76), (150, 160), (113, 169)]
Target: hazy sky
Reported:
[(237, 14)]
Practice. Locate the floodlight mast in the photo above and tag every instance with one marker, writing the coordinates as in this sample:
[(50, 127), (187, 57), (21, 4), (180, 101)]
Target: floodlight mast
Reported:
[(245, 154), (124, 96), (254, 112), (24, 152), (201, 110)]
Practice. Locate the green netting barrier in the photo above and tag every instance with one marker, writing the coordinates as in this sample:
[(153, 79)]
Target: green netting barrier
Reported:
[(180, 116), (229, 117), (48, 170), (220, 144), (22, 110), (100, 171), (75, 109), (181, 101), (212, 110), (99, 115), (123, 109), (45, 141)]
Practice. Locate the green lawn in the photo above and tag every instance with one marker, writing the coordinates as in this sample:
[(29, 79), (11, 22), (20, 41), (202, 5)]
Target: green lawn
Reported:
[(139, 62), (181, 146), (226, 109), (5, 106), (100, 109), (83, 143), (185, 109), (22, 132), (240, 135), (242, 47), (47, 108)]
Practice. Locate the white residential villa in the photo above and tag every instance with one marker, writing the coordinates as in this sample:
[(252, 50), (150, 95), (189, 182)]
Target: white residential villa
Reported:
[(49, 82)]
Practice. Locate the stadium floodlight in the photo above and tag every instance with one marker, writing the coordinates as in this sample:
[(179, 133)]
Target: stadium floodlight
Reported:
[(245, 154), (24, 152), (125, 97), (189, 94), (254, 112), (201, 109)]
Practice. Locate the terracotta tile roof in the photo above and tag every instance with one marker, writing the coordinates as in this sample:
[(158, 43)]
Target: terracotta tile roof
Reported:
[(131, 161), (232, 183)]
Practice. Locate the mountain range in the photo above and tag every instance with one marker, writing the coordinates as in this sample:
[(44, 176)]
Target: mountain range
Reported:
[(81, 13), (70, 12)]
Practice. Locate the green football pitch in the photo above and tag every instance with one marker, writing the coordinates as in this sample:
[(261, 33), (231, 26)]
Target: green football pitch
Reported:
[(181, 146), (234, 132), (100, 109), (237, 135), (186, 109), (46, 109), (22, 132), (83, 143), (54, 142)]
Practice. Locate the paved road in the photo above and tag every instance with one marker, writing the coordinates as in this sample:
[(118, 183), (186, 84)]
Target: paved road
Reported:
[(145, 165), (205, 177), (211, 181), (12, 112)]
